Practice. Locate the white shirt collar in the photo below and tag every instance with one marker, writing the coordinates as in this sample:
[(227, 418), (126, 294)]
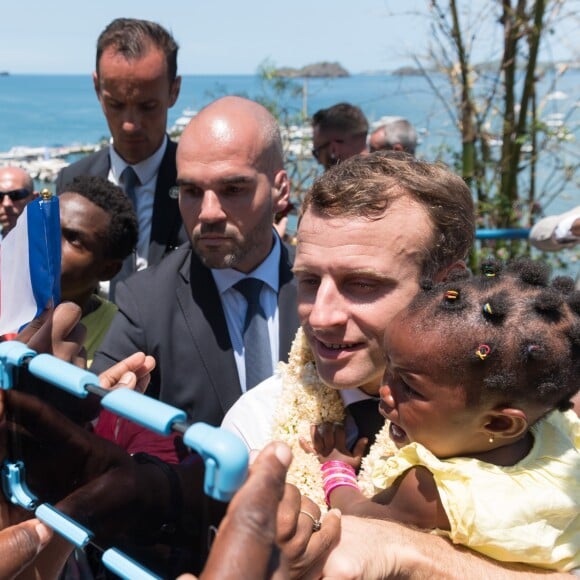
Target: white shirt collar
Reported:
[(268, 271), (145, 170), (350, 396)]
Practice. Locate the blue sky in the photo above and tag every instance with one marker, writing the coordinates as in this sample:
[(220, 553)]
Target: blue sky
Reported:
[(233, 36)]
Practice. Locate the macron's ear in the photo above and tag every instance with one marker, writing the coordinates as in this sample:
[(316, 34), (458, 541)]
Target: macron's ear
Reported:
[(442, 275), (507, 423)]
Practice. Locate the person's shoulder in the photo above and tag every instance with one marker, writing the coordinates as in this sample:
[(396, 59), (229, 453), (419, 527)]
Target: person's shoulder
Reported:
[(171, 262), (263, 395), (252, 414), (86, 161), (160, 276), (95, 162)]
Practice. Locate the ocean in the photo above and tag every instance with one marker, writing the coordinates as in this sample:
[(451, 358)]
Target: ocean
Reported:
[(38, 110), (62, 110)]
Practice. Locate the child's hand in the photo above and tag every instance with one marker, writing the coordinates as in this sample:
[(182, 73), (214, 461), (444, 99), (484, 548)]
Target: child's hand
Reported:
[(329, 444)]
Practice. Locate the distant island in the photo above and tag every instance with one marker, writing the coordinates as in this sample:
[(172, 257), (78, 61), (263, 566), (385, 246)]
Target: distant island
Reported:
[(407, 71), (316, 70)]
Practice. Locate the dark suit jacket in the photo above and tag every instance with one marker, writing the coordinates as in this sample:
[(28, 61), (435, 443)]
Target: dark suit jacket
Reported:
[(167, 232), (173, 311)]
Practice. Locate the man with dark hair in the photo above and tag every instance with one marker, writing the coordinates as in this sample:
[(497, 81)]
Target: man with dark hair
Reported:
[(194, 311), (98, 230), (371, 229), (136, 83), (339, 132), (396, 135)]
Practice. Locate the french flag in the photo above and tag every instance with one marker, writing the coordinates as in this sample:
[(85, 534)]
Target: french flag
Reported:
[(30, 264)]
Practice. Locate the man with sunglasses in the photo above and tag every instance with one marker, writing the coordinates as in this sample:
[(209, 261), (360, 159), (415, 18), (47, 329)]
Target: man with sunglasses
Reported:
[(16, 190), (339, 132)]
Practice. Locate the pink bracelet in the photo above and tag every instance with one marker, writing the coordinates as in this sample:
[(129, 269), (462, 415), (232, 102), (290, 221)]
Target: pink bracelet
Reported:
[(338, 477), (336, 472), (328, 474), (328, 489), (339, 465)]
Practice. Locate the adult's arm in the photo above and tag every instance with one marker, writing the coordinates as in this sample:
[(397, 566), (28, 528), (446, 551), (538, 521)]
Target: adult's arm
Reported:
[(252, 415), (555, 232), (383, 549)]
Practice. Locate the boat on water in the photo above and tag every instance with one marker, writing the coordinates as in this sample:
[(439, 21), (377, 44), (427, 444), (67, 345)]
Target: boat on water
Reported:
[(181, 122), (556, 96)]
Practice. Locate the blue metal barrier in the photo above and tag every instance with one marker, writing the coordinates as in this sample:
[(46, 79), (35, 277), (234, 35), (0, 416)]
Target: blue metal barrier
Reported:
[(503, 233)]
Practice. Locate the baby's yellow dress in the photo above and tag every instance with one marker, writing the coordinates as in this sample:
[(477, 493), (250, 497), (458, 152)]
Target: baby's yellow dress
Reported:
[(528, 512)]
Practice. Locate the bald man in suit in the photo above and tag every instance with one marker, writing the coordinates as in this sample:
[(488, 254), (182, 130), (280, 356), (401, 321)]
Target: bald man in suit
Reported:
[(186, 311)]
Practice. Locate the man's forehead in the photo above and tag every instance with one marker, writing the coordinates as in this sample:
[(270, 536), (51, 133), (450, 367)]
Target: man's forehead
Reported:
[(9, 179), (394, 241), (224, 172)]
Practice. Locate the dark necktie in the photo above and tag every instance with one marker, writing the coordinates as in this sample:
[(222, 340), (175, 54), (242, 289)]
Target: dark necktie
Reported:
[(367, 418), (257, 352), (130, 182)]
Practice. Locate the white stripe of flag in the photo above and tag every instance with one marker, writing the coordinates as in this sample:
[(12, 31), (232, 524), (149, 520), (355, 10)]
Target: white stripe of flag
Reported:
[(30, 265)]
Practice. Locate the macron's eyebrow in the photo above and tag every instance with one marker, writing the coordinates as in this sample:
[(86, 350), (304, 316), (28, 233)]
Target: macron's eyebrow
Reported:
[(237, 179), (349, 273)]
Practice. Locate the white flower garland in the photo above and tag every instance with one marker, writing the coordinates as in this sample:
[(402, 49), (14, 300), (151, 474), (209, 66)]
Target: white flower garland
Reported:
[(305, 401)]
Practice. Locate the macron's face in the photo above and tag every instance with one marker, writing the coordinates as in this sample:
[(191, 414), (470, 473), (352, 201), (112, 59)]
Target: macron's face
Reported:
[(135, 96), (354, 275)]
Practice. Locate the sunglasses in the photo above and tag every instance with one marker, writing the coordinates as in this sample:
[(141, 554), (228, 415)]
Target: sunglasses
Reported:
[(316, 151), (16, 194)]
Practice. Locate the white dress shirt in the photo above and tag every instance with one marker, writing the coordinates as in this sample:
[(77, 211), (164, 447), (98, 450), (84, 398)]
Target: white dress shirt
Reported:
[(146, 171), (251, 417)]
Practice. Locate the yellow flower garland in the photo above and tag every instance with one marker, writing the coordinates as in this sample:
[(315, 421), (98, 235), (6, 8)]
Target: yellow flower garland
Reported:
[(305, 401)]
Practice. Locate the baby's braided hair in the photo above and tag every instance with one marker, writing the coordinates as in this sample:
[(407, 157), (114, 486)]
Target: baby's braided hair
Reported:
[(509, 334)]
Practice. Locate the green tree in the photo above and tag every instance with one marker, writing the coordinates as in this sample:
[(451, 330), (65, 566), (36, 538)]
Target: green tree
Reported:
[(498, 101)]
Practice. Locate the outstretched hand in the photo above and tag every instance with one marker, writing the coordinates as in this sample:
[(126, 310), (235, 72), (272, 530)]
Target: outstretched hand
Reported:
[(133, 372), (58, 332), (328, 443)]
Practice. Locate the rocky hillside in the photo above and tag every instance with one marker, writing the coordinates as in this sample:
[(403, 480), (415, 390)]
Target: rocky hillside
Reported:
[(319, 69)]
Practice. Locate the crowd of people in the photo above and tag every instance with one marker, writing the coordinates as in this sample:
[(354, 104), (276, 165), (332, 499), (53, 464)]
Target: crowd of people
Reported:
[(385, 391)]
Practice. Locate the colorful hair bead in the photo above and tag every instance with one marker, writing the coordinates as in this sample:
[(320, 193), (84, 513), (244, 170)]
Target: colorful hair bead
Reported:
[(451, 295), (482, 351)]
